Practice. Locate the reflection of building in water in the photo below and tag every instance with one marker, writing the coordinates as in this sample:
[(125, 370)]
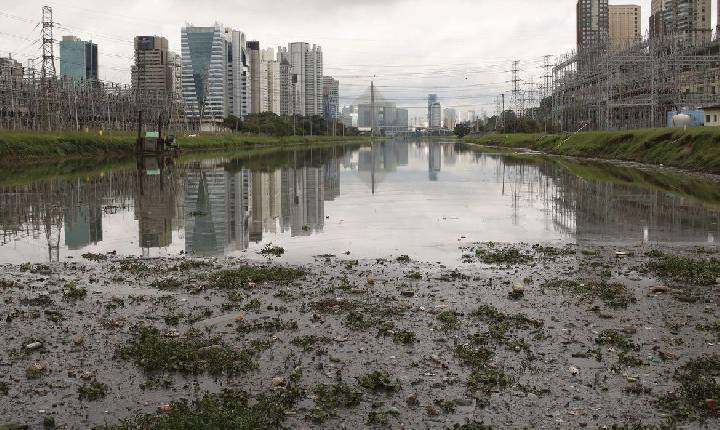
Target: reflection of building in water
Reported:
[(83, 225), (155, 206), (225, 211), (450, 157), (41, 210), (434, 160), (239, 210), (303, 202), (83, 214), (216, 210), (331, 179), (265, 204)]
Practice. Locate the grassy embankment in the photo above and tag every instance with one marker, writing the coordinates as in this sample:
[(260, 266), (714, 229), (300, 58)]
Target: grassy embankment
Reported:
[(265, 157), (695, 149), (31, 146)]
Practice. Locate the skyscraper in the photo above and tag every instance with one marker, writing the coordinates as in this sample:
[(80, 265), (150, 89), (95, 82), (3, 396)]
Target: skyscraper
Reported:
[(450, 118), (435, 115), (686, 21), (271, 68), (656, 19), (592, 24), (331, 98), (258, 79), (78, 59), (153, 71), (306, 64), (214, 72), (238, 74), (432, 98), (287, 91), (624, 25)]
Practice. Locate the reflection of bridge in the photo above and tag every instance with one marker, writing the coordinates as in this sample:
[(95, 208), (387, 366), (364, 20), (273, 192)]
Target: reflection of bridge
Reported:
[(379, 158)]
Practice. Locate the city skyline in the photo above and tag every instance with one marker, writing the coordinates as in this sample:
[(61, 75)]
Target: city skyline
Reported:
[(354, 54)]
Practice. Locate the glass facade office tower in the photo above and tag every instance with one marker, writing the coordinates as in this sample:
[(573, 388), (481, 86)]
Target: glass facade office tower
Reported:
[(78, 59), (214, 72)]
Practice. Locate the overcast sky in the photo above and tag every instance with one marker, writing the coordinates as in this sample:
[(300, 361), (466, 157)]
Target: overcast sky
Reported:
[(460, 49)]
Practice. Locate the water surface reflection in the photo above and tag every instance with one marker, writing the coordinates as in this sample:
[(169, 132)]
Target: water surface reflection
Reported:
[(419, 198)]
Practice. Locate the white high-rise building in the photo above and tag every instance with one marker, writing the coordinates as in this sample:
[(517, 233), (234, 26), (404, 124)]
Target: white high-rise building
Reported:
[(214, 72), (271, 68), (306, 64), (287, 89), (435, 120), (451, 119)]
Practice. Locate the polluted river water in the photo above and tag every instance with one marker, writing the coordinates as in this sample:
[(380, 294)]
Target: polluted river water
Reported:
[(390, 198), (386, 285)]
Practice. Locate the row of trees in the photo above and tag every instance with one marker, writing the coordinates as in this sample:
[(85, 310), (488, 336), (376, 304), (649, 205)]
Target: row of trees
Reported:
[(272, 124), (534, 121)]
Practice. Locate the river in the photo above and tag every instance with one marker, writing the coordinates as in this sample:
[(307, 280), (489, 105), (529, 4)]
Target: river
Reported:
[(386, 199)]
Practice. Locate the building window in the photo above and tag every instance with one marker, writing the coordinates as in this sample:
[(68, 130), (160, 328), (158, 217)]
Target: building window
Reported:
[(707, 118)]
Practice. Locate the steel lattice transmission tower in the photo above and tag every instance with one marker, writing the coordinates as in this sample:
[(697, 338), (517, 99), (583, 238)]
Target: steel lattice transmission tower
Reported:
[(516, 92), (548, 76), (48, 64)]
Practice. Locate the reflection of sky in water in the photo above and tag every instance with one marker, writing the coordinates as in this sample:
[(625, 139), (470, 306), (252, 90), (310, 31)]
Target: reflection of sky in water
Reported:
[(424, 200)]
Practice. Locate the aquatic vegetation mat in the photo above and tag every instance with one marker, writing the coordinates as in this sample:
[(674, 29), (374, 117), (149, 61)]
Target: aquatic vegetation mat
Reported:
[(699, 389), (614, 295), (685, 269), (230, 409), (192, 353)]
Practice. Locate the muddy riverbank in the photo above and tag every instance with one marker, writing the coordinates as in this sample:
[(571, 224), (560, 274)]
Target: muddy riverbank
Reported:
[(515, 336)]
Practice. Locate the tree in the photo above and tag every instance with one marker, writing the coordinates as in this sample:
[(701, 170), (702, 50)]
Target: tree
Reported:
[(462, 130), (233, 123)]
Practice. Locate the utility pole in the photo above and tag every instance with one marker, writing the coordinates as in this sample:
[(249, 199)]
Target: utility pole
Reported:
[(372, 109), (503, 112)]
